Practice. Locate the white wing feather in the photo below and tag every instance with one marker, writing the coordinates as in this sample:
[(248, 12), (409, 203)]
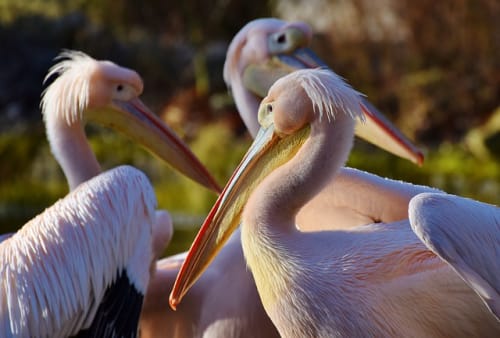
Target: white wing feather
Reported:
[(466, 234), (55, 269)]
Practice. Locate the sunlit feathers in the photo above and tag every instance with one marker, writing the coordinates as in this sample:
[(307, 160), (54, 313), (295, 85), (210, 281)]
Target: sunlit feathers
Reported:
[(104, 226), (69, 95)]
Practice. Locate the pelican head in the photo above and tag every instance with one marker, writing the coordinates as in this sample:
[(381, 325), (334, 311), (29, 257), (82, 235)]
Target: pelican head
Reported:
[(304, 112), (265, 50), (105, 93)]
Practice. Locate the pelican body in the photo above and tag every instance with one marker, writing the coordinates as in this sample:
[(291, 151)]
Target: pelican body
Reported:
[(375, 280), (82, 266), (224, 301)]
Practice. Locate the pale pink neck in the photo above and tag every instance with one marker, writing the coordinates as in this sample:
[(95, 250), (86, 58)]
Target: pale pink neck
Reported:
[(247, 104), (71, 150), (276, 201)]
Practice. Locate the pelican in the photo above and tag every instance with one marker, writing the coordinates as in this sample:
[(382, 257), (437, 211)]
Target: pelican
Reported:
[(268, 48), (265, 50), (104, 93), (260, 53), (224, 301), (82, 266), (372, 280)]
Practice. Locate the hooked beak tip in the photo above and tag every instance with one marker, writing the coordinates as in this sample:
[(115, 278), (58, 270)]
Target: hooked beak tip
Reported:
[(173, 302)]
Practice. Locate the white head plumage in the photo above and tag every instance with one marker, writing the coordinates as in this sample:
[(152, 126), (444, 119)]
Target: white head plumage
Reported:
[(329, 93), (73, 86)]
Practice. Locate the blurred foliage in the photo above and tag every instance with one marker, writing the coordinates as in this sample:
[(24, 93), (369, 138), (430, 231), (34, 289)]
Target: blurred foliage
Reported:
[(432, 67), (193, 19)]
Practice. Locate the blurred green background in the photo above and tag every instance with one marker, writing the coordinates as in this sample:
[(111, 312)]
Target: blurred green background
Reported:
[(432, 67)]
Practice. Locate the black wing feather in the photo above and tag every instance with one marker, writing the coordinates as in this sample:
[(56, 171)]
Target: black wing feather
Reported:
[(118, 313)]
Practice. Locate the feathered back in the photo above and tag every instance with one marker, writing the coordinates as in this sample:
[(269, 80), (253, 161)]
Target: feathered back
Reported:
[(329, 93), (69, 93), (104, 226)]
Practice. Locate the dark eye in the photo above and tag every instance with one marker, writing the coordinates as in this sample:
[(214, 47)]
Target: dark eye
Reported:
[(119, 87), (281, 38), (269, 108)]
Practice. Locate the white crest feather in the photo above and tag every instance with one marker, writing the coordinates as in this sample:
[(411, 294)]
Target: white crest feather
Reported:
[(68, 95), (329, 93)]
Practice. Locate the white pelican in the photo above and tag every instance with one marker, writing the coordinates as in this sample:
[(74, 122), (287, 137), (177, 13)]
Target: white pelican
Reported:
[(371, 280), (224, 301), (82, 266), (261, 52), (266, 49), (104, 93)]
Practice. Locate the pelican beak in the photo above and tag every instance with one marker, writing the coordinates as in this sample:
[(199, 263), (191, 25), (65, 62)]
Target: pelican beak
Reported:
[(267, 152), (135, 120), (258, 78)]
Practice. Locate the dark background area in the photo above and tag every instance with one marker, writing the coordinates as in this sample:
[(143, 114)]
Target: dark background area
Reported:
[(437, 61)]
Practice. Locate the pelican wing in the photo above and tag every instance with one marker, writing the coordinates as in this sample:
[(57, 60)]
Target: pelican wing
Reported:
[(466, 234), (75, 268), (118, 312)]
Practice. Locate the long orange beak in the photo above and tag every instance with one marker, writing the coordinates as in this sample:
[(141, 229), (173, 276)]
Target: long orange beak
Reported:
[(135, 120), (258, 78), (267, 152)]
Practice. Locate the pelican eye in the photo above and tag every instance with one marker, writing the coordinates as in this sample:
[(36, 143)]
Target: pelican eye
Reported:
[(281, 38), (119, 87), (265, 115), (282, 42), (288, 40)]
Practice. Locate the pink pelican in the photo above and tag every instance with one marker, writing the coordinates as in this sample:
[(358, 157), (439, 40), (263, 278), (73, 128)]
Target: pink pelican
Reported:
[(377, 279), (263, 51), (82, 266), (266, 49)]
